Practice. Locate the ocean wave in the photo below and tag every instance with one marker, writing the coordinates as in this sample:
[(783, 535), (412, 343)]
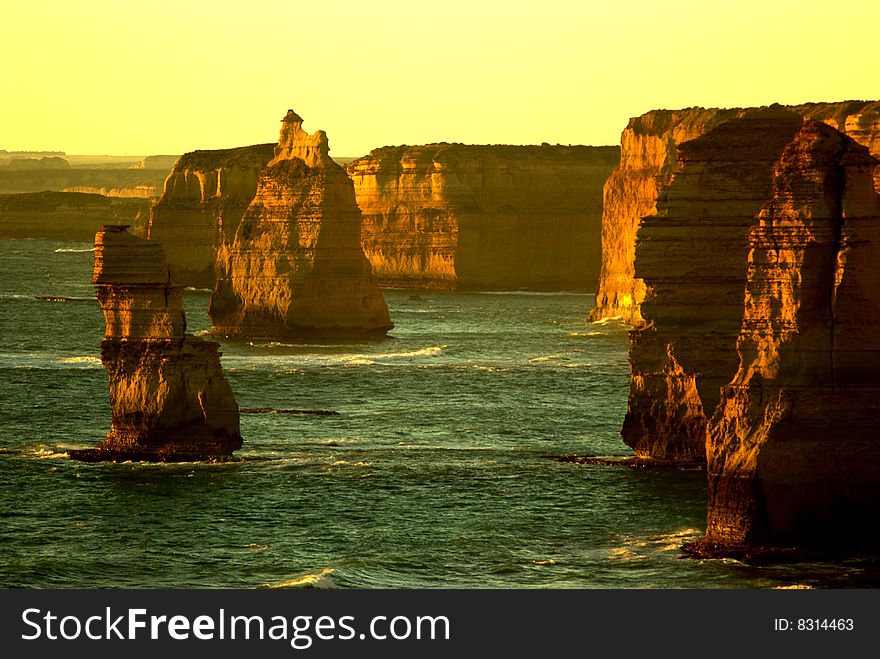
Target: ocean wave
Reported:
[(344, 359), (553, 360), (310, 580), (44, 453), (72, 250), (193, 289), (536, 293), (585, 334), (85, 361)]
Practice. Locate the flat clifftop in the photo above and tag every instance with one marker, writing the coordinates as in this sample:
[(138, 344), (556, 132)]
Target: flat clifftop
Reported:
[(483, 216), (219, 158), (507, 151)]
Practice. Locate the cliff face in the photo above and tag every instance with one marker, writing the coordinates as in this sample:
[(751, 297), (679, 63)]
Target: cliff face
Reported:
[(483, 217), (67, 215), (648, 158), (204, 198), (169, 399), (296, 266), (692, 257), (138, 183), (793, 455)]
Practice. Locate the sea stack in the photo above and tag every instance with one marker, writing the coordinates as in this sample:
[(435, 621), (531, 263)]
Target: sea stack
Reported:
[(169, 399), (483, 217), (296, 266), (793, 451)]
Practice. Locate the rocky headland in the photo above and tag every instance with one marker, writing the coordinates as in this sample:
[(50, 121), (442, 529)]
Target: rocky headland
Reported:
[(295, 266), (793, 456), (648, 160), (67, 216), (168, 396), (459, 216), (204, 198), (675, 240), (755, 347)]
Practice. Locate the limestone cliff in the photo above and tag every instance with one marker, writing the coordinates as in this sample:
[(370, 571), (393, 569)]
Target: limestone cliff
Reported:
[(483, 217), (204, 199), (648, 159), (169, 399), (296, 266), (67, 215), (137, 183), (793, 455), (691, 254)]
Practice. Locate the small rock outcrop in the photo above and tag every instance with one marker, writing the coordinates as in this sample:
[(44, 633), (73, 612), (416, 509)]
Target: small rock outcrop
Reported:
[(793, 451), (204, 198), (460, 216), (168, 396), (296, 266)]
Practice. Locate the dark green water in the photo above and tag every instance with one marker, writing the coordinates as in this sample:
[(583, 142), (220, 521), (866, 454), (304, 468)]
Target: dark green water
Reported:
[(433, 475)]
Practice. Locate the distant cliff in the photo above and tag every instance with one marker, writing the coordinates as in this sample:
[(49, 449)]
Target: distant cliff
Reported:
[(296, 266), (483, 217), (168, 396), (648, 159), (204, 198), (67, 215), (141, 183)]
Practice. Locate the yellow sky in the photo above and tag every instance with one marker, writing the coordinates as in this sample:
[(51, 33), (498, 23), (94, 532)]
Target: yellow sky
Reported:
[(119, 77)]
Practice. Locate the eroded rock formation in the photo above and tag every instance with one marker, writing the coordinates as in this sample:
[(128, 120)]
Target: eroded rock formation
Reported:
[(483, 217), (204, 198), (692, 255), (793, 451), (169, 399), (648, 156), (296, 266)]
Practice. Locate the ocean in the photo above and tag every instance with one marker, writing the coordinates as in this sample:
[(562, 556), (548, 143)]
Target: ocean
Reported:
[(437, 472)]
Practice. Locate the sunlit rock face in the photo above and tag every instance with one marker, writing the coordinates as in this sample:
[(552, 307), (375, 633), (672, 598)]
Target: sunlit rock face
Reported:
[(691, 256), (793, 450), (296, 266), (459, 216), (648, 159), (168, 396), (204, 198)]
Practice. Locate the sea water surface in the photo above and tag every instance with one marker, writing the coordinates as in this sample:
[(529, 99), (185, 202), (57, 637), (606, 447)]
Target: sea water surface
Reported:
[(437, 471)]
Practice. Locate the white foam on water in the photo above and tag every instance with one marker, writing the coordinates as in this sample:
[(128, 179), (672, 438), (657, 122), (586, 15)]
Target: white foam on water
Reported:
[(310, 579), (85, 361), (70, 250)]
